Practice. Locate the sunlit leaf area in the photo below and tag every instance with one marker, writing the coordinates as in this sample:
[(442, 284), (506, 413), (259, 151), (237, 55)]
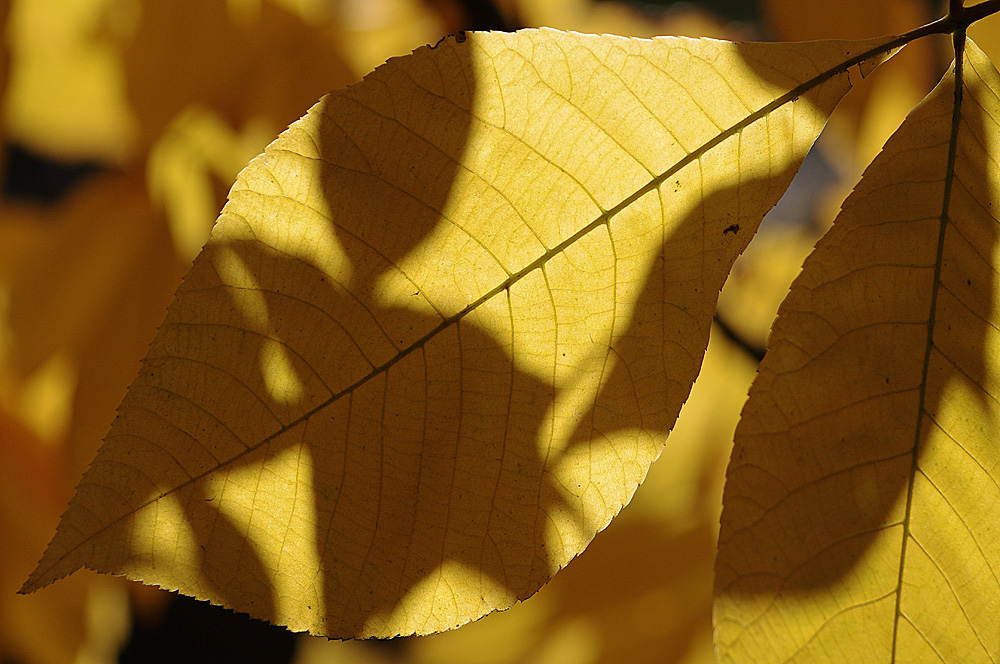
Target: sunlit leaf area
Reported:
[(417, 372)]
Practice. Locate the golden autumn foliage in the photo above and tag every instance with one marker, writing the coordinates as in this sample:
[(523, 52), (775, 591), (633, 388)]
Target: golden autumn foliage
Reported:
[(445, 322)]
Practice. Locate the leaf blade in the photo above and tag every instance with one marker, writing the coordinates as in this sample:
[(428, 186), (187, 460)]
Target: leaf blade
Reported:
[(404, 385), (843, 431)]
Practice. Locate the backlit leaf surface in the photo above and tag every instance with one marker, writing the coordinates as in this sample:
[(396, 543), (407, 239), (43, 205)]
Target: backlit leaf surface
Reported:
[(861, 499), (444, 325)]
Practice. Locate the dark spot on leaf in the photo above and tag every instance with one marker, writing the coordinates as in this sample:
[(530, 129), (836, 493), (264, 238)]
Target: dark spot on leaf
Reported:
[(733, 228)]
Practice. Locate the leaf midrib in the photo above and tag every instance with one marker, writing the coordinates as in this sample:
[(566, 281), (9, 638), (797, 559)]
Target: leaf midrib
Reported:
[(949, 177)]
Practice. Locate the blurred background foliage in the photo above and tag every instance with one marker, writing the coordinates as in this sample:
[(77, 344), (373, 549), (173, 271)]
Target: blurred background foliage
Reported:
[(122, 125)]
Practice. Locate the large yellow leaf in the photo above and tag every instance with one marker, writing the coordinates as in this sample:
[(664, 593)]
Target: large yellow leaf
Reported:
[(443, 326), (861, 499)]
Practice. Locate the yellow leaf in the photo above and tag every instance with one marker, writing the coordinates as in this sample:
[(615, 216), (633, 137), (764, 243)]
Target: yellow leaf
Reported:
[(862, 492), (444, 325)]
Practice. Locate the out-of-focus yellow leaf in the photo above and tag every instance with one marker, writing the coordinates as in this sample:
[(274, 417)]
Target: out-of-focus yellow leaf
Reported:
[(108, 621), (44, 400), (58, 295), (97, 349), (619, 18), (444, 325), (862, 491), (373, 30), (850, 19), (314, 11), (197, 150), (70, 398), (66, 95), (192, 53), (32, 491), (25, 231)]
